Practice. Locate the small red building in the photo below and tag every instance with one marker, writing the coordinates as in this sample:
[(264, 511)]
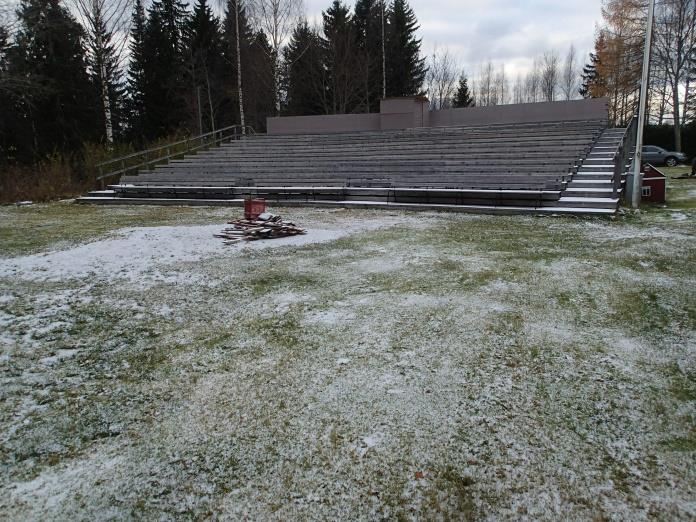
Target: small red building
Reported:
[(654, 188)]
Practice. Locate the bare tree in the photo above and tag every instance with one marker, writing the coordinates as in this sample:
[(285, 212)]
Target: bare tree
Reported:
[(675, 42), (569, 80), (277, 19), (549, 76), (532, 82), (106, 23), (501, 87), (441, 79), (487, 94), (518, 90)]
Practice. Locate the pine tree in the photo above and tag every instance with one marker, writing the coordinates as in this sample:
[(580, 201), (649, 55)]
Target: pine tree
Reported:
[(57, 108), (367, 21), (304, 80), (135, 104), (340, 45), (405, 67), (164, 93), (204, 66), (463, 97), (260, 97)]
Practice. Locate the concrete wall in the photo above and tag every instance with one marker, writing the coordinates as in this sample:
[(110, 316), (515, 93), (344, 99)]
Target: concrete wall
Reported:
[(323, 124), (592, 109), (406, 113)]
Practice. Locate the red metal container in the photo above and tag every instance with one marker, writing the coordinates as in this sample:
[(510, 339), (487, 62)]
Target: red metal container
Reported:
[(253, 207)]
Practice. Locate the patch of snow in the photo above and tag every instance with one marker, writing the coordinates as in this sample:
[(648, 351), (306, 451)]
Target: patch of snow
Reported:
[(147, 252)]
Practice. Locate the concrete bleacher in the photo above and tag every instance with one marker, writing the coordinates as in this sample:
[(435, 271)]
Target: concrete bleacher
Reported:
[(506, 166)]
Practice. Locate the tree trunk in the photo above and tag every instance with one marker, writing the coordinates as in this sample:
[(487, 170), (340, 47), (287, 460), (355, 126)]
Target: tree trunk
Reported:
[(239, 73), (108, 124), (384, 58), (210, 102), (677, 119), (109, 129)]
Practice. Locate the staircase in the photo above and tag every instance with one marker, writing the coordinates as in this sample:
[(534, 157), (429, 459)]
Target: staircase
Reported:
[(592, 186)]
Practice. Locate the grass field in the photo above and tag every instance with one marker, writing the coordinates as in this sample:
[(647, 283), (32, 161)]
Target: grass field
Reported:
[(388, 365)]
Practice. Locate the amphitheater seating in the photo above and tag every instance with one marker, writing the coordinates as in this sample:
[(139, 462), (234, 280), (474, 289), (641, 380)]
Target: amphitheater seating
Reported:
[(514, 157), (549, 167)]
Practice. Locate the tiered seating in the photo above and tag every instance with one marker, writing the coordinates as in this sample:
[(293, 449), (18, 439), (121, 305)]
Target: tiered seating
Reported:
[(518, 164)]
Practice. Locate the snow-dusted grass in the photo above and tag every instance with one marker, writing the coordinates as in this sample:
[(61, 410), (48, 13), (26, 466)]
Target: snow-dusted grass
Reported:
[(386, 365)]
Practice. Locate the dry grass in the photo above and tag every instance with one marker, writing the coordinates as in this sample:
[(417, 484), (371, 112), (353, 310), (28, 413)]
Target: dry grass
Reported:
[(51, 179)]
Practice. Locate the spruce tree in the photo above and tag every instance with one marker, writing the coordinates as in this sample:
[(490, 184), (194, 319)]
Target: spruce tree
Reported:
[(203, 66), (260, 96), (106, 76), (589, 77), (57, 109), (165, 108), (135, 104), (463, 97), (405, 67), (304, 78), (367, 21), (340, 51)]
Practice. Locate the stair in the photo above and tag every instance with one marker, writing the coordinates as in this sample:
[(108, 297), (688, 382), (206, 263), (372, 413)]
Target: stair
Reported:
[(592, 186)]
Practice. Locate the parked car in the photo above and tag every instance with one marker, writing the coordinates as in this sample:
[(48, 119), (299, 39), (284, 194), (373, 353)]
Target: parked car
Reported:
[(658, 156)]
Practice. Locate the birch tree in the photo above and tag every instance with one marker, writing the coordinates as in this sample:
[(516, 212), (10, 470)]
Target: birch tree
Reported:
[(441, 79), (501, 86), (277, 19), (487, 94), (532, 82), (106, 23), (569, 79), (549, 76)]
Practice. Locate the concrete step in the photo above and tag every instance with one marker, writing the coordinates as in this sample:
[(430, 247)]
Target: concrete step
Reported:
[(590, 183), (588, 192), (588, 202), (596, 169), (477, 209)]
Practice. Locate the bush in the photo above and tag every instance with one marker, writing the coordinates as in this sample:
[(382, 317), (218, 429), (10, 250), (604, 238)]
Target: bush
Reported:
[(53, 178)]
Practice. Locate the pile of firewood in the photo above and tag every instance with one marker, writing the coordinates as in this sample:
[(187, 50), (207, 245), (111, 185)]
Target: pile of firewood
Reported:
[(266, 226)]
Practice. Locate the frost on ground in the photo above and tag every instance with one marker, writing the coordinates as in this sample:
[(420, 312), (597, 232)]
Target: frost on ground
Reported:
[(386, 365)]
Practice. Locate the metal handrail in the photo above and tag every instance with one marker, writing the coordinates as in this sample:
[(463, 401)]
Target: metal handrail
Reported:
[(218, 136), (623, 153)]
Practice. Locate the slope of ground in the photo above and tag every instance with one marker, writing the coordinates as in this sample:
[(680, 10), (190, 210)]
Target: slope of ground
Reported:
[(386, 365)]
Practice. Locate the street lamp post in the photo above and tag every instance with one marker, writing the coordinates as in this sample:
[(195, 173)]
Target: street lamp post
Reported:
[(638, 155)]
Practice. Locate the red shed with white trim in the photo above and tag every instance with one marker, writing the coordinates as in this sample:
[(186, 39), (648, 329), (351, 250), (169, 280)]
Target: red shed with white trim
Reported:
[(654, 188)]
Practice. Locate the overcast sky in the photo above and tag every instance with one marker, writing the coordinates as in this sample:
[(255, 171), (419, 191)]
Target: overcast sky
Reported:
[(510, 32), (506, 31)]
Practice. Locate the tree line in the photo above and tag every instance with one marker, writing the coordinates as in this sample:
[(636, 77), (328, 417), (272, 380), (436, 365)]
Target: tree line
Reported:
[(118, 71), (615, 65)]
